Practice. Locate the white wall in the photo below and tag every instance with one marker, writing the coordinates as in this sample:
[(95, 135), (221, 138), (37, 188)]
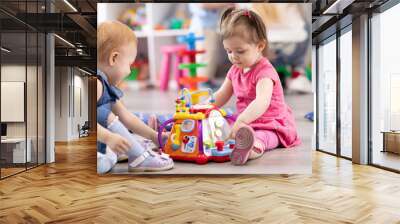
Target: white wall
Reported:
[(16, 73), (69, 85), (33, 127), (61, 104), (79, 117)]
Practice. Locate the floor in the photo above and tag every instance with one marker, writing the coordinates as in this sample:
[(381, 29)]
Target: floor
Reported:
[(70, 191), (387, 159), (295, 160), (10, 171), (5, 172)]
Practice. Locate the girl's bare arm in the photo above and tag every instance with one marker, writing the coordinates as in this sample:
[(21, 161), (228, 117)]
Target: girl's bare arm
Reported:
[(224, 93), (259, 105), (132, 122)]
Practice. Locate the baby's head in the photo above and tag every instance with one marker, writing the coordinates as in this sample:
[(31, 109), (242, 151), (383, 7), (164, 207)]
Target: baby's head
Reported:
[(244, 36), (116, 50)]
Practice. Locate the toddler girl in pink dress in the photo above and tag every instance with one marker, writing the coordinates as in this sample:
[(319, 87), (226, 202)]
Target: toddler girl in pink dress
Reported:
[(263, 120)]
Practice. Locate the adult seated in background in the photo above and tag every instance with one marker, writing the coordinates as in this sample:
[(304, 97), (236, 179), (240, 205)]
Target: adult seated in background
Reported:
[(205, 22)]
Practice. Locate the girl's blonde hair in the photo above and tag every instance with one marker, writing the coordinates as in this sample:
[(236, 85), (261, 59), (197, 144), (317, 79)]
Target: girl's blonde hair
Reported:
[(110, 36), (256, 30)]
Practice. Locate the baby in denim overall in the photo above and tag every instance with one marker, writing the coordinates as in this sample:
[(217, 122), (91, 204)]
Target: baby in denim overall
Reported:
[(116, 51)]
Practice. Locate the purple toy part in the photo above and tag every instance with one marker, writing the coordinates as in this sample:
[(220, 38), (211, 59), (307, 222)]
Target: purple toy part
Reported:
[(160, 130), (230, 117), (200, 137)]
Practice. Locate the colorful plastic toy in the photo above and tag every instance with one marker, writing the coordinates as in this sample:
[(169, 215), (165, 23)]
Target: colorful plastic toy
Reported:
[(192, 80), (200, 133), (190, 40), (171, 53), (135, 69), (176, 23)]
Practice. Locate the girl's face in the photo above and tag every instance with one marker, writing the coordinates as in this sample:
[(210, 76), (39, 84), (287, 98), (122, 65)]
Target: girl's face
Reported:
[(120, 62), (242, 53)]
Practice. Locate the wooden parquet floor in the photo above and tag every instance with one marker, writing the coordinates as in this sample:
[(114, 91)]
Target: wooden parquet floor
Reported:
[(70, 191)]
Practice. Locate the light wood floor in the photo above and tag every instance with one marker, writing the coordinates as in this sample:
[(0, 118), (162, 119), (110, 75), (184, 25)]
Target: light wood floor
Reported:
[(10, 171), (70, 191), (388, 159), (5, 172)]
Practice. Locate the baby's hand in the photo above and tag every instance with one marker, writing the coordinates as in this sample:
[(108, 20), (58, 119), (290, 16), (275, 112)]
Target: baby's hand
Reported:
[(118, 144), (164, 137), (238, 124)]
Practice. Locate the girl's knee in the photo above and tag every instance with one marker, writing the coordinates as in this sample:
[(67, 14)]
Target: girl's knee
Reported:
[(259, 143)]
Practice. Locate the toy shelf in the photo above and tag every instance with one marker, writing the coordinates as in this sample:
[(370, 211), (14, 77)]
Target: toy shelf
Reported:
[(160, 33), (141, 34), (150, 39)]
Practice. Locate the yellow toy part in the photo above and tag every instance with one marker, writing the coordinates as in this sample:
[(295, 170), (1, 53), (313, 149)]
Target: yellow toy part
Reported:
[(184, 115), (176, 137)]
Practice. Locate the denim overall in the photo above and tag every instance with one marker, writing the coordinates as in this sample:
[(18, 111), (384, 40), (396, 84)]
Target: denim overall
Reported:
[(104, 105)]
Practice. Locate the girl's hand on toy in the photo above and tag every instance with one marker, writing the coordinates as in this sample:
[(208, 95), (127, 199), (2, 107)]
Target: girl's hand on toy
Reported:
[(118, 144), (238, 124)]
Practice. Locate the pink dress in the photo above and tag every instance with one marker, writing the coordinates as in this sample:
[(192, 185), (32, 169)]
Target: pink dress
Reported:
[(279, 116)]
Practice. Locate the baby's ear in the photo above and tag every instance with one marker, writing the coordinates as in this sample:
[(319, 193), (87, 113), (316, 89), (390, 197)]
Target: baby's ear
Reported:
[(262, 45), (113, 58)]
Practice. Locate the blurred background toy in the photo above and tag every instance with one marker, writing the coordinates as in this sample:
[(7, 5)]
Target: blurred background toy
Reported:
[(140, 73), (175, 20), (135, 18), (309, 116), (193, 79)]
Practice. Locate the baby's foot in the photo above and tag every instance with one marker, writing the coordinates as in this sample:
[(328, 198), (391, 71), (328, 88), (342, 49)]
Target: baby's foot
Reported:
[(105, 162), (244, 144), (150, 161)]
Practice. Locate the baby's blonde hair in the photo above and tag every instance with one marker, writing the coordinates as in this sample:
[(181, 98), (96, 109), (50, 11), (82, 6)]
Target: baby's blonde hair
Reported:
[(110, 36)]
